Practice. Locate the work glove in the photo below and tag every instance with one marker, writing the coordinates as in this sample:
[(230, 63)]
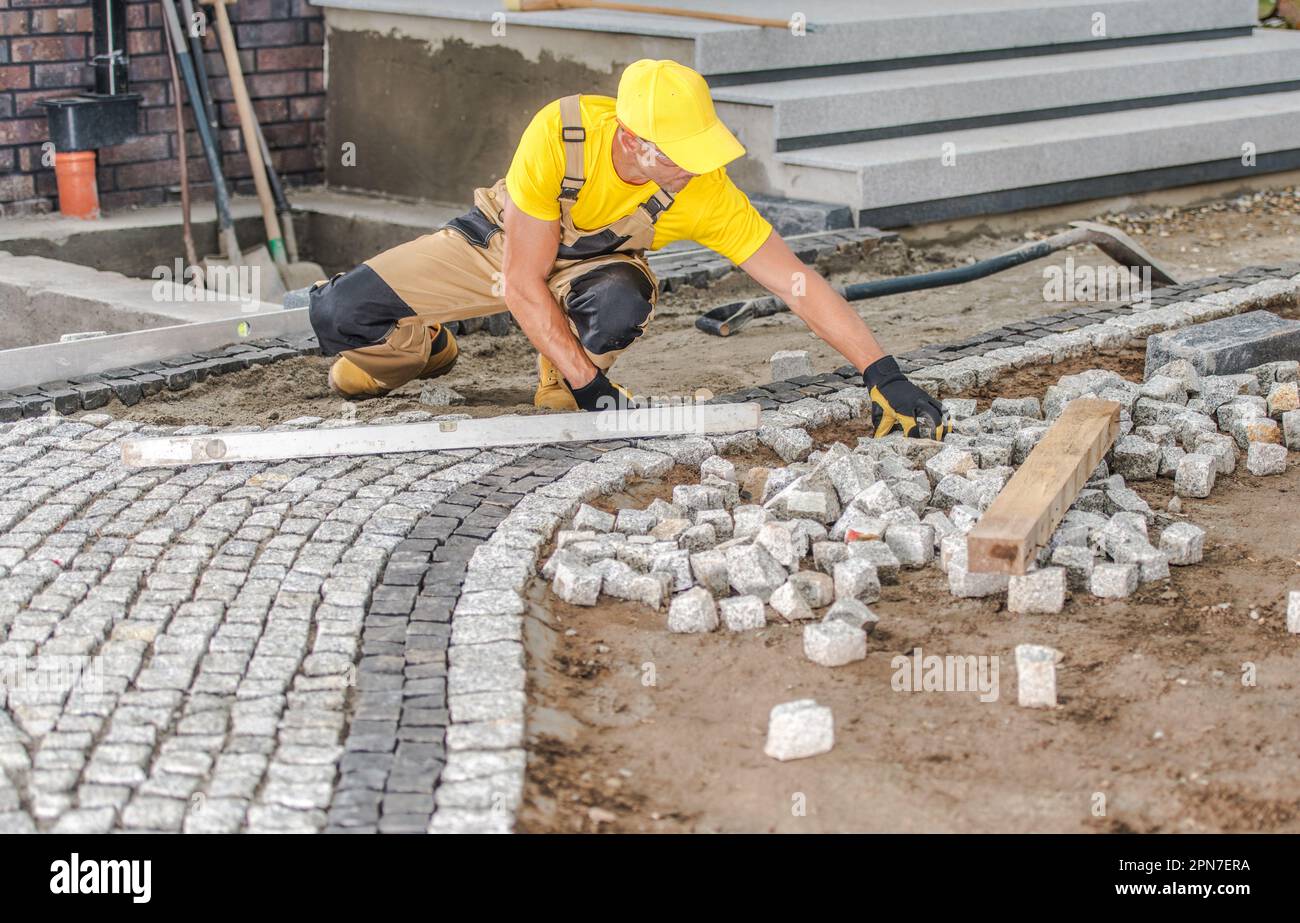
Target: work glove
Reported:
[(896, 402), (602, 394)]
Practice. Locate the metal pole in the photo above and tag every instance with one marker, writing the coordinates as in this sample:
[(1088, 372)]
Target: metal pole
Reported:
[(210, 149)]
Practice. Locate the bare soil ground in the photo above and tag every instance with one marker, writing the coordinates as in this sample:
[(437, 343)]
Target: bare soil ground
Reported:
[(498, 374), (270, 394), (1153, 712)]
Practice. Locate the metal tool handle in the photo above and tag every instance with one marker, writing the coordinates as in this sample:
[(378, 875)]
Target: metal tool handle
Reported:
[(210, 150), (727, 319)]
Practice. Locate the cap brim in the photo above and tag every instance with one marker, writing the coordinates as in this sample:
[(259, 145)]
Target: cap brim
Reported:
[(712, 148)]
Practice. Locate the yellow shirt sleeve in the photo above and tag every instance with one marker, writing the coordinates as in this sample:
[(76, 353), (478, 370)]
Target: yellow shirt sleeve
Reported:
[(729, 224), (537, 169)]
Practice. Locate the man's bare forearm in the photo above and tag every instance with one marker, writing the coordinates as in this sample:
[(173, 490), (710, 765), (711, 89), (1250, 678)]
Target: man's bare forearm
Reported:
[(777, 269), (829, 316), (530, 248), (547, 328)]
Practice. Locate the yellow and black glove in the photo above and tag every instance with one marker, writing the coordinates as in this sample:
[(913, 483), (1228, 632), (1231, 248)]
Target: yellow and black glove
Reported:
[(602, 394), (897, 403)]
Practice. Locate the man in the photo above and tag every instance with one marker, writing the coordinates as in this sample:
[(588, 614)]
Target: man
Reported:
[(560, 242)]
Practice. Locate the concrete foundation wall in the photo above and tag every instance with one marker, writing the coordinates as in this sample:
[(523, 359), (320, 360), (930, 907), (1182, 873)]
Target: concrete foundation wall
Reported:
[(435, 107), (136, 250), (333, 229), (42, 299)]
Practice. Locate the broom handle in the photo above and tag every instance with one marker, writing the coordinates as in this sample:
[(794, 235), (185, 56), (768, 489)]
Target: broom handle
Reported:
[(247, 119), (187, 231), (654, 10)]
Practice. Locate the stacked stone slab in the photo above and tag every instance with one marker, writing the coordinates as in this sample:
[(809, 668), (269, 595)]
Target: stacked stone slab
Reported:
[(1229, 345)]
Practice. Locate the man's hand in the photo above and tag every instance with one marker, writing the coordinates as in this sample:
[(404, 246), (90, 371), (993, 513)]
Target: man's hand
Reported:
[(602, 394), (896, 402), (530, 248)]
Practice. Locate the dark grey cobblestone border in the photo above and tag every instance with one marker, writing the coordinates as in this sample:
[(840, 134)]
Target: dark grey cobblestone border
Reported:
[(395, 749), (134, 384)]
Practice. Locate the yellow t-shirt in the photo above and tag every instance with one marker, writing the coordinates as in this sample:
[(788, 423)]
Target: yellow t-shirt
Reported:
[(710, 210)]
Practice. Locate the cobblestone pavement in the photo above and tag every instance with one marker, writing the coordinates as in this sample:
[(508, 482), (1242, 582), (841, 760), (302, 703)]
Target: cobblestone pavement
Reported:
[(337, 644)]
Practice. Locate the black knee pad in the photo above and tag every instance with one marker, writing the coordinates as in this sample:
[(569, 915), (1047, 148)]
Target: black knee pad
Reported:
[(610, 306), (354, 309)]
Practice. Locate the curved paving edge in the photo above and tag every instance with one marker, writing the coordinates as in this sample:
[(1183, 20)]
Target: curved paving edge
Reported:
[(338, 645), (219, 611), (463, 556)]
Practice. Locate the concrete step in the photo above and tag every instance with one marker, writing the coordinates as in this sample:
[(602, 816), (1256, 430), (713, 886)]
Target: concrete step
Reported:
[(819, 111), (853, 35), (900, 181)]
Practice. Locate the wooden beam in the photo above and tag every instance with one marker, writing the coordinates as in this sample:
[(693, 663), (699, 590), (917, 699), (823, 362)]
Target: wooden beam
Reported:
[(486, 432), (1032, 504)]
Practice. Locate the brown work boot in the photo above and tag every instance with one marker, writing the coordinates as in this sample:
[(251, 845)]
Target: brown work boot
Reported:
[(443, 355), (552, 393), (349, 381)]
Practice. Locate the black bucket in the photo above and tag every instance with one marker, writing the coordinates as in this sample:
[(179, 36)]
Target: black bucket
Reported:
[(89, 121)]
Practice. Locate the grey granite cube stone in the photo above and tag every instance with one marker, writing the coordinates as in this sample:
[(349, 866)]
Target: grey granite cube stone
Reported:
[(799, 729), (1114, 581), (692, 612), (1265, 458), (1195, 475), (1183, 543), (855, 613), (1078, 563), (834, 643), (1041, 591), (743, 613)]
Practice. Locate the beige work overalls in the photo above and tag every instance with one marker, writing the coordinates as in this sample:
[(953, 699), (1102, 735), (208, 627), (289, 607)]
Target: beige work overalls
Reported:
[(455, 273)]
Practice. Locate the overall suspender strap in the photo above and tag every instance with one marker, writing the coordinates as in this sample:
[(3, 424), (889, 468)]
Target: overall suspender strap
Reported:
[(656, 204), (574, 136)]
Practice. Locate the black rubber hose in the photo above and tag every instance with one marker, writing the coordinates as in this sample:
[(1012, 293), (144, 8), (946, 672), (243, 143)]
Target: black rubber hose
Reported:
[(955, 276), (730, 318)]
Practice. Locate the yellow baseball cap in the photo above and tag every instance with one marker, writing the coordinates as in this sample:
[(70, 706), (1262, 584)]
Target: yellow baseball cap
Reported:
[(668, 104)]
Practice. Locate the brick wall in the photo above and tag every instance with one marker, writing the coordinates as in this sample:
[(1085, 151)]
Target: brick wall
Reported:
[(44, 47)]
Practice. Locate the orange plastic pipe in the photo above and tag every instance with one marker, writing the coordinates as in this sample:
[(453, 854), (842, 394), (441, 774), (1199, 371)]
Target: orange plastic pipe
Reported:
[(74, 171)]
